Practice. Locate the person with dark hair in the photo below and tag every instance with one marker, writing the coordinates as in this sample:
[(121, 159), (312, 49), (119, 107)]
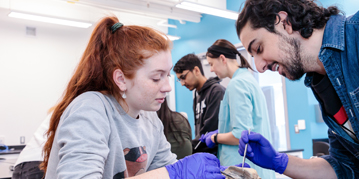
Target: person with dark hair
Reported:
[(207, 99), (105, 125), (177, 131), (297, 37), (27, 164), (243, 106)]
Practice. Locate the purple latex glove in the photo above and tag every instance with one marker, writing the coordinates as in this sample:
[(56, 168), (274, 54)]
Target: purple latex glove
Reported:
[(222, 168), (207, 139), (198, 165), (261, 152)]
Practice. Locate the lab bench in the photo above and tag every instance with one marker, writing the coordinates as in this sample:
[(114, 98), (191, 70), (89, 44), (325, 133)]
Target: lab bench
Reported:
[(8, 159)]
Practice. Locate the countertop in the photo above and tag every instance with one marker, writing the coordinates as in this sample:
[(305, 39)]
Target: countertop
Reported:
[(15, 149)]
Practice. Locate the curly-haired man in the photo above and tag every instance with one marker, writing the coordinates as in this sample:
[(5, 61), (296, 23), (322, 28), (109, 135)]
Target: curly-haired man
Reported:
[(297, 37)]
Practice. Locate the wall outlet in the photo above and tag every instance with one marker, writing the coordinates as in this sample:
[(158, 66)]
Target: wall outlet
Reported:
[(2, 139), (22, 139), (296, 129)]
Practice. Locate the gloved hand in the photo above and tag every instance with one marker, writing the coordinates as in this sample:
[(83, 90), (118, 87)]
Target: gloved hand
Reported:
[(222, 168), (207, 139), (3, 148), (198, 165), (261, 152)]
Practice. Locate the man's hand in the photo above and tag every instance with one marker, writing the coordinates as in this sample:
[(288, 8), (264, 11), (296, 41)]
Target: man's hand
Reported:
[(261, 152), (208, 139)]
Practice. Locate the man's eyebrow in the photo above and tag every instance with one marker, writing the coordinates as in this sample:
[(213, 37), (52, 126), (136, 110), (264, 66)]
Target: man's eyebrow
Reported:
[(250, 46)]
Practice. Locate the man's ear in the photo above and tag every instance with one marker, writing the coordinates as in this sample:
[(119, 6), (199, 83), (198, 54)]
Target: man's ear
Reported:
[(283, 23), (196, 71), (119, 79)]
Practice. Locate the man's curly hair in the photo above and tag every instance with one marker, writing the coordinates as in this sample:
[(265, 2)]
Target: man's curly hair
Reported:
[(303, 15)]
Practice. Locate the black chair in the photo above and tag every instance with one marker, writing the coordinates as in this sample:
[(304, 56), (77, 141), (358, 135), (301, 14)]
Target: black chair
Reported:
[(320, 148)]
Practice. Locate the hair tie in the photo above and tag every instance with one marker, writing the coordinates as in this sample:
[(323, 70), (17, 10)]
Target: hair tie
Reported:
[(116, 26), (218, 50)]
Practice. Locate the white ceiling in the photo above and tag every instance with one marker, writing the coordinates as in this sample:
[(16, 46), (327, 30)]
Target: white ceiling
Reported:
[(130, 12)]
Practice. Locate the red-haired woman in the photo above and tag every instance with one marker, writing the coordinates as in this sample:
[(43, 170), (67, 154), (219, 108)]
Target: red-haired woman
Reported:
[(105, 125)]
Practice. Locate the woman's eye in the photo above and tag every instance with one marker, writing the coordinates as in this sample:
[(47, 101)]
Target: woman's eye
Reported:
[(259, 49), (156, 80)]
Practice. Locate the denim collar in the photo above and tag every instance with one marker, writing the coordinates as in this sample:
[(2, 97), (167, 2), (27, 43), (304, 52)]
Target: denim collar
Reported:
[(334, 33), (333, 37)]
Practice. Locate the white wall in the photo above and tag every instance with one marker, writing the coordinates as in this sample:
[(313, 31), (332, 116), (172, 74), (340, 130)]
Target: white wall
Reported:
[(34, 72)]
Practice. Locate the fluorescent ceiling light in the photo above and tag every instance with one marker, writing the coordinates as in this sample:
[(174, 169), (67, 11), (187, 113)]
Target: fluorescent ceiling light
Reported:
[(49, 20), (208, 10), (166, 24), (172, 37)]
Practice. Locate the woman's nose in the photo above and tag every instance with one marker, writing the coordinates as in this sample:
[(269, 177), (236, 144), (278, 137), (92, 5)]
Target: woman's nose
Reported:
[(167, 87)]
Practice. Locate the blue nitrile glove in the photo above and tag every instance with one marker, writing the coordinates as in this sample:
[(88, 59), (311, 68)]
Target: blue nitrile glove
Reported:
[(3, 148), (207, 139), (261, 152), (198, 165), (223, 168)]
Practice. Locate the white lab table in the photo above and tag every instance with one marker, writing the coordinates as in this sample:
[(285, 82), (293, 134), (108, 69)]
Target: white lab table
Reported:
[(7, 161)]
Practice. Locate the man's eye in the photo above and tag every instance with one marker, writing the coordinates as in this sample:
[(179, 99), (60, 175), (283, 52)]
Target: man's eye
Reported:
[(259, 49)]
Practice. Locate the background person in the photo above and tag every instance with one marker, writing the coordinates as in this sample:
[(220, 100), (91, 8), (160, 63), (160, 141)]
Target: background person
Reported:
[(208, 96), (177, 131), (243, 105), (296, 38), (27, 164), (105, 125)]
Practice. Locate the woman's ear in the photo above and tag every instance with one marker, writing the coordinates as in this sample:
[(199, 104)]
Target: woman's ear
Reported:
[(223, 59), (119, 79)]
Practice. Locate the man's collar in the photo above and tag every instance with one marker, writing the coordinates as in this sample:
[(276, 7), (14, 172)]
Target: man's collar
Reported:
[(333, 36)]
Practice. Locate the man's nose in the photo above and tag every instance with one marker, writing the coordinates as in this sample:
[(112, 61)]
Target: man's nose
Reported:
[(182, 82), (261, 64)]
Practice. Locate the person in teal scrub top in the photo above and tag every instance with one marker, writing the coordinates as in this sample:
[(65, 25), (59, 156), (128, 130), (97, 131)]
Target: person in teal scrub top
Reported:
[(243, 106)]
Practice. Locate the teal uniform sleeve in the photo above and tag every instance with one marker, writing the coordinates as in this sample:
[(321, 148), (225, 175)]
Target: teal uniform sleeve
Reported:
[(240, 102)]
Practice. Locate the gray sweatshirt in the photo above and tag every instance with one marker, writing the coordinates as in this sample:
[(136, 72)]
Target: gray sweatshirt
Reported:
[(96, 138)]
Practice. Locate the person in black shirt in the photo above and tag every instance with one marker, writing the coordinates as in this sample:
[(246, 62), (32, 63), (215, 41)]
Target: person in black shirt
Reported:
[(207, 99)]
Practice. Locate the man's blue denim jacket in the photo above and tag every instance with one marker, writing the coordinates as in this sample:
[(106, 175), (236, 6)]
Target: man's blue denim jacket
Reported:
[(340, 56)]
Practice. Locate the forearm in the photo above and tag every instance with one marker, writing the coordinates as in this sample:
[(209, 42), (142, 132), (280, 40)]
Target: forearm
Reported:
[(226, 138), (160, 173), (309, 168)]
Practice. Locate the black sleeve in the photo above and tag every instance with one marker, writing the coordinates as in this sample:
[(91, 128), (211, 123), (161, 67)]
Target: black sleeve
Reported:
[(210, 119)]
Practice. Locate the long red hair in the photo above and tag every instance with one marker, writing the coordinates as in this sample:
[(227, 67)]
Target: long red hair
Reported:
[(124, 49)]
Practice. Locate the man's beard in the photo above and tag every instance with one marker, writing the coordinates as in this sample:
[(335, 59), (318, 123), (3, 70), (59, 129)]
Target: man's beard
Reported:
[(290, 47)]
